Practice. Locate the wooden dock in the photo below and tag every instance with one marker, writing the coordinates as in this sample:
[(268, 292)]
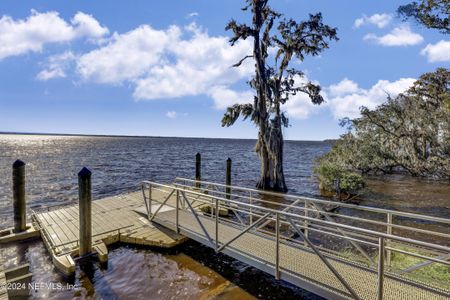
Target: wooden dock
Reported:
[(120, 218)]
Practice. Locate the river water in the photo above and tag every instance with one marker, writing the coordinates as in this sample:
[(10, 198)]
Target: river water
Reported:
[(120, 163)]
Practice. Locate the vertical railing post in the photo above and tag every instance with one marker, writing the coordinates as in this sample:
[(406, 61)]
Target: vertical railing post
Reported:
[(150, 200), (177, 207), (380, 268), (217, 224), (388, 231), (85, 215), (198, 172), (306, 222), (228, 179), (277, 255), (19, 198), (251, 208)]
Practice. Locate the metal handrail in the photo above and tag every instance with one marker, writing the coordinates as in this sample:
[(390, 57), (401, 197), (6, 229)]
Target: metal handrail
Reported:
[(314, 229), (266, 214), (287, 214), (385, 236), (346, 205), (388, 224)]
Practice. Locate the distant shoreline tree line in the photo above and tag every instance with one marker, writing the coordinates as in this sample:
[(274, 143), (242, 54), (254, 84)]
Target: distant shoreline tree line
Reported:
[(409, 133)]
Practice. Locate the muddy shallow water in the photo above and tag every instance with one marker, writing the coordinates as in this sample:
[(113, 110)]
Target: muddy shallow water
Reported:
[(191, 271)]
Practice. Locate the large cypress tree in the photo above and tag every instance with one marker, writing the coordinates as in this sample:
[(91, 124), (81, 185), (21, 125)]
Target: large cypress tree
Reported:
[(274, 81)]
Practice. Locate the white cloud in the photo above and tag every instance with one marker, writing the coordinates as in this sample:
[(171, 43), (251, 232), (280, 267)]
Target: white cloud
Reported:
[(437, 52), (224, 97), (345, 86), (178, 62), (358, 22), (301, 107), (168, 63), (343, 99), (56, 66), (192, 15), (348, 103), (127, 56), (171, 114), (87, 25), (30, 35), (379, 20), (399, 36), (50, 74)]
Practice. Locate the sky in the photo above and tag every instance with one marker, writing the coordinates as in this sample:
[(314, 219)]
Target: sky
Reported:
[(163, 68)]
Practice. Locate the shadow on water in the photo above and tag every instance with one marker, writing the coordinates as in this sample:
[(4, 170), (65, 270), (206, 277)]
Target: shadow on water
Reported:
[(254, 281)]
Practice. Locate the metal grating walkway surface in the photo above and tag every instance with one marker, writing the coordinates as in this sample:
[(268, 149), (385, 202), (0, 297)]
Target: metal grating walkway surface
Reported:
[(298, 266)]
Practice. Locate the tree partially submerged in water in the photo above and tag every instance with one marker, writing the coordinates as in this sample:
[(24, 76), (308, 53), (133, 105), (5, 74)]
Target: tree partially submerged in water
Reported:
[(430, 13), (275, 82), (409, 133)]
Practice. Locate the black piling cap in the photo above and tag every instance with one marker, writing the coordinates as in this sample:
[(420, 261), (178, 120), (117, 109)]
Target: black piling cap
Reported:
[(198, 154), (18, 163), (229, 159), (84, 173)]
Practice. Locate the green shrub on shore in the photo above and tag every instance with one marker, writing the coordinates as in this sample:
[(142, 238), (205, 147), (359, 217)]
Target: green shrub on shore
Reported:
[(328, 173), (351, 182)]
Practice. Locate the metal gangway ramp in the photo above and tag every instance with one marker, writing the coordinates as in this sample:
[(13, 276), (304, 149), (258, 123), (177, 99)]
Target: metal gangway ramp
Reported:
[(335, 250)]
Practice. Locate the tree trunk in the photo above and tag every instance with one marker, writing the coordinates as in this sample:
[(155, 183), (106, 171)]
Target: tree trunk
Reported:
[(270, 151), (269, 146)]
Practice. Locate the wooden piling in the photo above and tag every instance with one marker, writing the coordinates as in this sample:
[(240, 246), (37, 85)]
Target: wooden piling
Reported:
[(20, 218), (228, 178), (198, 173), (337, 187), (85, 199)]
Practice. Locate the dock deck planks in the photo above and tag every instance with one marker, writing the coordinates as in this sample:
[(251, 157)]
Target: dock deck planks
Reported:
[(114, 219)]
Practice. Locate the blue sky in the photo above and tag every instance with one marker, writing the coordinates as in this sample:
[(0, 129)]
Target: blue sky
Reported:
[(162, 68)]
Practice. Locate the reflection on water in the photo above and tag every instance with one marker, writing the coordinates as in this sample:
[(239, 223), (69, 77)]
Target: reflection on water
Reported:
[(119, 164)]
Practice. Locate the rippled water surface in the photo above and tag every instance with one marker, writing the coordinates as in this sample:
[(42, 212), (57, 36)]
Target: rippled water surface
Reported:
[(119, 164)]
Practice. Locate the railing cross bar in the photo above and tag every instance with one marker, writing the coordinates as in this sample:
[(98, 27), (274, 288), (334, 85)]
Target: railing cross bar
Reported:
[(244, 231), (358, 247), (325, 261), (161, 205), (198, 220), (423, 264), (284, 209)]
